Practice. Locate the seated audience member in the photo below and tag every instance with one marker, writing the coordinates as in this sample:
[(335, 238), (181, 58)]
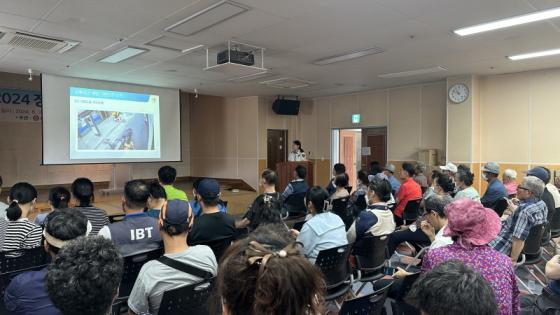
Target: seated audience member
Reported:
[(358, 198), (338, 169), (548, 302), (444, 185), (212, 225), (409, 190), (26, 293), (167, 176), (543, 174), (3, 206), (449, 169), (496, 189), (17, 232), (437, 291), (419, 176), (530, 212), (395, 183), (510, 182), (472, 227), (375, 168), (82, 190), (156, 276), (195, 204), (85, 277), (432, 189), (263, 275), (323, 230), (137, 232), (341, 182), (433, 220), (156, 200), (298, 185), (436, 221), (377, 219), (267, 207), (58, 199), (553, 190), (297, 154), (463, 181)]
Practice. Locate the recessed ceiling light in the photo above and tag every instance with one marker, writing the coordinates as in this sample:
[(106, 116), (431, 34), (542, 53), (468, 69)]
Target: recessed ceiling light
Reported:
[(537, 54), (509, 22), (123, 54), (349, 56), (412, 72)]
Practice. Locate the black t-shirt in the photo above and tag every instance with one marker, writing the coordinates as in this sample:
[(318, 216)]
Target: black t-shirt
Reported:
[(254, 215), (211, 227)]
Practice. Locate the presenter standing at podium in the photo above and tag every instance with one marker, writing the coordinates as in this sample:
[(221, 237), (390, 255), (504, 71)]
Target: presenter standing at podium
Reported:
[(297, 154)]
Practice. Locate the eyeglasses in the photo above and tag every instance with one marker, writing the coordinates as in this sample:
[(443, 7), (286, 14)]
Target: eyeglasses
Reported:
[(521, 187)]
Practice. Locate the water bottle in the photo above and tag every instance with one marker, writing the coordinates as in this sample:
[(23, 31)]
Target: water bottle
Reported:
[(531, 284)]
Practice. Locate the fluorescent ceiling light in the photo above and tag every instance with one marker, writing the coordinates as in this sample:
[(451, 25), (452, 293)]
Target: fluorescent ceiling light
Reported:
[(191, 49), (509, 22), (123, 54), (412, 72), (348, 56), (206, 18), (537, 54)]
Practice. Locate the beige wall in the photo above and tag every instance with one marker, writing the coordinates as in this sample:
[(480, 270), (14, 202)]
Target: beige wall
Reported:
[(414, 116), (21, 145), (225, 137)]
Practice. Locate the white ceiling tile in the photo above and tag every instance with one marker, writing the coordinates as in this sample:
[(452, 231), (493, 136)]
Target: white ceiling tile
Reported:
[(28, 8), (16, 21)]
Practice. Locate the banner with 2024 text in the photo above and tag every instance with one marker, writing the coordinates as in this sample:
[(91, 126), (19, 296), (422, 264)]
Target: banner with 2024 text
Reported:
[(20, 105)]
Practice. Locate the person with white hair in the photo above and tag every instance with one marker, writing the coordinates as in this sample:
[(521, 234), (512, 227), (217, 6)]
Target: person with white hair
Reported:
[(530, 212), (509, 179)]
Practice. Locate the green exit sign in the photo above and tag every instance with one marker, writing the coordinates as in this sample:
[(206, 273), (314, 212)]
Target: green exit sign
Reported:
[(356, 118)]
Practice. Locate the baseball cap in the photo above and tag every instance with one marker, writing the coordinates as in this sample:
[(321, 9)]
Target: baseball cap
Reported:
[(175, 212), (390, 168), (491, 167), (449, 167), (539, 173), (209, 189)]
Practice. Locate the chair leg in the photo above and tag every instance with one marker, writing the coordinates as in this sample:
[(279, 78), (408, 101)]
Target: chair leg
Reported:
[(532, 274), (361, 288), (524, 285)]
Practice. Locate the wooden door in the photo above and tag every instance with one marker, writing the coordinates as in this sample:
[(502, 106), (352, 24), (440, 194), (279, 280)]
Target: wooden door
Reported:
[(348, 154), (276, 149), (376, 140)]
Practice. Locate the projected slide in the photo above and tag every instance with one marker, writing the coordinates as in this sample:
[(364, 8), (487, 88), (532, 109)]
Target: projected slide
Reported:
[(113, 124)]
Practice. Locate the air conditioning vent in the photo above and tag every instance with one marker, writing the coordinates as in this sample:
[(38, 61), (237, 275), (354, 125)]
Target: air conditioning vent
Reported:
[(21, 39)]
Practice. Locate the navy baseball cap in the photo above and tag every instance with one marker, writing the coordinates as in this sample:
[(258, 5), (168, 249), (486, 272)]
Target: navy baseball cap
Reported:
[(208, 189), (539, 173), (175, 212)]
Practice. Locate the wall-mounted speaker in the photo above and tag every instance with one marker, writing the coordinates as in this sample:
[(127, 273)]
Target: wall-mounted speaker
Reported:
[(286, 107)]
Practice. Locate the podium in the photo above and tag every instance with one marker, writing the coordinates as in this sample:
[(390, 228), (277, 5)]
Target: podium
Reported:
[(285, 171)]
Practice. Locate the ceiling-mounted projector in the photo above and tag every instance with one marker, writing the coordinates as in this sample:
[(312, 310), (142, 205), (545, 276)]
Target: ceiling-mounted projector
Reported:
[(236, 56)]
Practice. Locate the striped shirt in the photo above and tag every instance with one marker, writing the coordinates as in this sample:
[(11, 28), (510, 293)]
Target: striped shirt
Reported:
[(97, 217), (19, 234)]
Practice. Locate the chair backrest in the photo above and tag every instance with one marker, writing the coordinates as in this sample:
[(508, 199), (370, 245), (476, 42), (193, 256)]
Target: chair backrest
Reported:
[(116, 218), (218, 246), (333, 263), (190, 299), (370, 252), (532, 247), (411, 210), (555, 222), (23, 259), (295, 203), (500, 206), (340, 208), (132, 266), (371, 304)]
